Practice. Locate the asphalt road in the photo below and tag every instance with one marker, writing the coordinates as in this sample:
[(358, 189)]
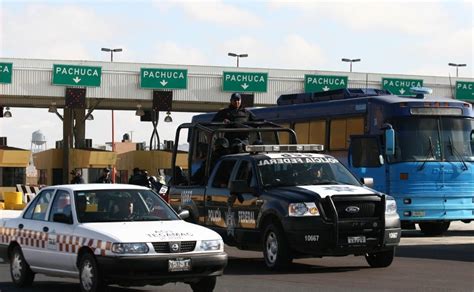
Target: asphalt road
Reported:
[(422, 264)]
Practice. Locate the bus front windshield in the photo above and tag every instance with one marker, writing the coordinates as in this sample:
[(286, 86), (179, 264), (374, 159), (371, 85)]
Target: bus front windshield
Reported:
[(433, 139)]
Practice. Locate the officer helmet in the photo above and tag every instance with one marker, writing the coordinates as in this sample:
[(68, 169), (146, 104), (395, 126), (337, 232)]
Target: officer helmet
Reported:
[(235, 95)]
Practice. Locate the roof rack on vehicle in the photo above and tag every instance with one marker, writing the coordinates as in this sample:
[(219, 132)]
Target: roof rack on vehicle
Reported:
[(337, 94)]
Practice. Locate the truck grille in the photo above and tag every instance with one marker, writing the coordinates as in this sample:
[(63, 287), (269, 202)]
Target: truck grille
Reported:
[(170, 247), (352, 207)]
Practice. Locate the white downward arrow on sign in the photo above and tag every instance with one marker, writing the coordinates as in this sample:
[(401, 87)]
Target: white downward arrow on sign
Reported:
[(163, 82), (402, 91), (77, 79), (326, 88), (244, 86)]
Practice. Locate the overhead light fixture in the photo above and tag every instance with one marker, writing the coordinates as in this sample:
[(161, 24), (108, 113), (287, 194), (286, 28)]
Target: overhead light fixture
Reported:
[(140, 112), (168, 118), (7, 113)]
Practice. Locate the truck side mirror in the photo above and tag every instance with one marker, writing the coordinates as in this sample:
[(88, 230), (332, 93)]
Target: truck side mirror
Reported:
[(367, 181), (240, 186), (390, 142)]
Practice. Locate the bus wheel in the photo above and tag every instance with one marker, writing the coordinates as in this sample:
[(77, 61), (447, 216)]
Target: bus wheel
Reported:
[(380, 259), (434, 228)]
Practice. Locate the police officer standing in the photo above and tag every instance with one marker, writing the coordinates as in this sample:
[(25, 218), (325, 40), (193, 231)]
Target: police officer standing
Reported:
[(77, 179), (234, 112), (105, 177)]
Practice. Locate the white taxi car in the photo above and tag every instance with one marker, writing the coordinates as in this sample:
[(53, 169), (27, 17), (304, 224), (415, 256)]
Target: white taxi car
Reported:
[(109, 234)]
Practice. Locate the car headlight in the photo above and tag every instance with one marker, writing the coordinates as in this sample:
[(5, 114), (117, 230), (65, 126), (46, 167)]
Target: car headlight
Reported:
[(209, 245), (303, 209), (390, 205), (123, 248)]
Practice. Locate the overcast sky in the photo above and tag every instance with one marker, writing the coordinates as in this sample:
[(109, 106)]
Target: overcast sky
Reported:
[(404, 37)]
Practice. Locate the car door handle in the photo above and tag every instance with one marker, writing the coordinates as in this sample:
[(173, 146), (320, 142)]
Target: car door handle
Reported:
[(45, 229), (20, 226)]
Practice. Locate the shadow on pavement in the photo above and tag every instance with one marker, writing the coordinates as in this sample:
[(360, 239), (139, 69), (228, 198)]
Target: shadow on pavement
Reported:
[(253, 266), (58, 287), (417, 233), (451, 252)]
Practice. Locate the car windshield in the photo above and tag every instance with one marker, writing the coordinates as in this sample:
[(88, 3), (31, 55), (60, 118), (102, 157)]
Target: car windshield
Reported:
[(303, 169), (121, 205), (437, 139)]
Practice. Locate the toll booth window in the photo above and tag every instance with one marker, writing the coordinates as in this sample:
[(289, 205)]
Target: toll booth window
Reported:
[(221, 179), (11, 176)]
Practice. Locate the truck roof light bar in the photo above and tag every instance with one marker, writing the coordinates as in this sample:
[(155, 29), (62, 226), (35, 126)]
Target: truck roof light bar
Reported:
[(285, 148)]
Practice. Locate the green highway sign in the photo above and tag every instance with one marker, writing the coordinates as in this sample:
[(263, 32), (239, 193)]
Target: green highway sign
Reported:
[(244, 81), (319, 83), (400, 86), (6, 72), (465, 90), (158, 78), (76, 75)]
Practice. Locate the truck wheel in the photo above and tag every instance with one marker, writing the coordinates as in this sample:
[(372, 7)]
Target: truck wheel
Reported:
[(204, 285), (275, 248), (434, 228), (380, 259), (22, 275), (90, 279)]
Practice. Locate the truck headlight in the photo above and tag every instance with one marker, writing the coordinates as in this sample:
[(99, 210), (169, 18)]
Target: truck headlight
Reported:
[(390, 206), (123, 248), (303, 209), (209, 245)]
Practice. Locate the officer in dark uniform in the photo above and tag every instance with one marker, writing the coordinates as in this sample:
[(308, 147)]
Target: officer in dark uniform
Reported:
[(105, 177), (77, 179), (235, 113)]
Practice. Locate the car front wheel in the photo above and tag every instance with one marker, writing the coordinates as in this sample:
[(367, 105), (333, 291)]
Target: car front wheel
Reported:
[(380, 259), (275, 248), (89, 277), (204, 285), (22, 275)]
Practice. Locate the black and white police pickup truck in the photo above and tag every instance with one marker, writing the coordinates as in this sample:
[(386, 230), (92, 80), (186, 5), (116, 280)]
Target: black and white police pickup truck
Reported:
[(291, 203), (109, 234)]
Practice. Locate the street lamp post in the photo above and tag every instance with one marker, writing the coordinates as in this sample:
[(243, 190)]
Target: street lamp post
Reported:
[(112, 51), (350, 61), (457, 67), (238, 56)]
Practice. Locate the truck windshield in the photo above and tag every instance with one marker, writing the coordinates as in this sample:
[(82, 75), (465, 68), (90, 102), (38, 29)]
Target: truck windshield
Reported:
[(433, 139), (121, 205), (276, 172)]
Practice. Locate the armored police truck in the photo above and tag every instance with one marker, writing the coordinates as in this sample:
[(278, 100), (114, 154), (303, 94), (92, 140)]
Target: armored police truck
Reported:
[(288, 200)]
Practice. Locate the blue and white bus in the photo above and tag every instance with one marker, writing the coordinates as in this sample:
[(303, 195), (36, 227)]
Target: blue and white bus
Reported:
[(419, 150)]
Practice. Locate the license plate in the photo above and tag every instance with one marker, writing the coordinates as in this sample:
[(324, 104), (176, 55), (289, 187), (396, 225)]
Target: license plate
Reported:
[(179, 265), (356, 239), (418, 214)]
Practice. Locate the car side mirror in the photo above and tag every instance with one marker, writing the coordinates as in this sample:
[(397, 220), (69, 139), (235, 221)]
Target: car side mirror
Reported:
[(184, 214), (62, 218), (240, 186), (367, 181)]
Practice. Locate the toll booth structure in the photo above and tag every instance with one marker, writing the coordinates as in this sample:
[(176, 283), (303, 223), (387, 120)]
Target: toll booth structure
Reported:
[(156, 162), (89, 162), (13, 163)]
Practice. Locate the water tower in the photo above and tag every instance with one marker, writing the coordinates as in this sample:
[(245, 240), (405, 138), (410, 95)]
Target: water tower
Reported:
[(38, 142)]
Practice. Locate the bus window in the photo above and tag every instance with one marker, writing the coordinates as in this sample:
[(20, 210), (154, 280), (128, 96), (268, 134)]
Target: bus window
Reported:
[(365, 152), (317, 132), (302, 132), (284, 137), (342, 129)]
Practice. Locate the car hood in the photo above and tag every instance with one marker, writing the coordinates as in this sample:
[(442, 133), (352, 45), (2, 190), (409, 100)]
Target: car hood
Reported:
[(310, 192), (149, 231)]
